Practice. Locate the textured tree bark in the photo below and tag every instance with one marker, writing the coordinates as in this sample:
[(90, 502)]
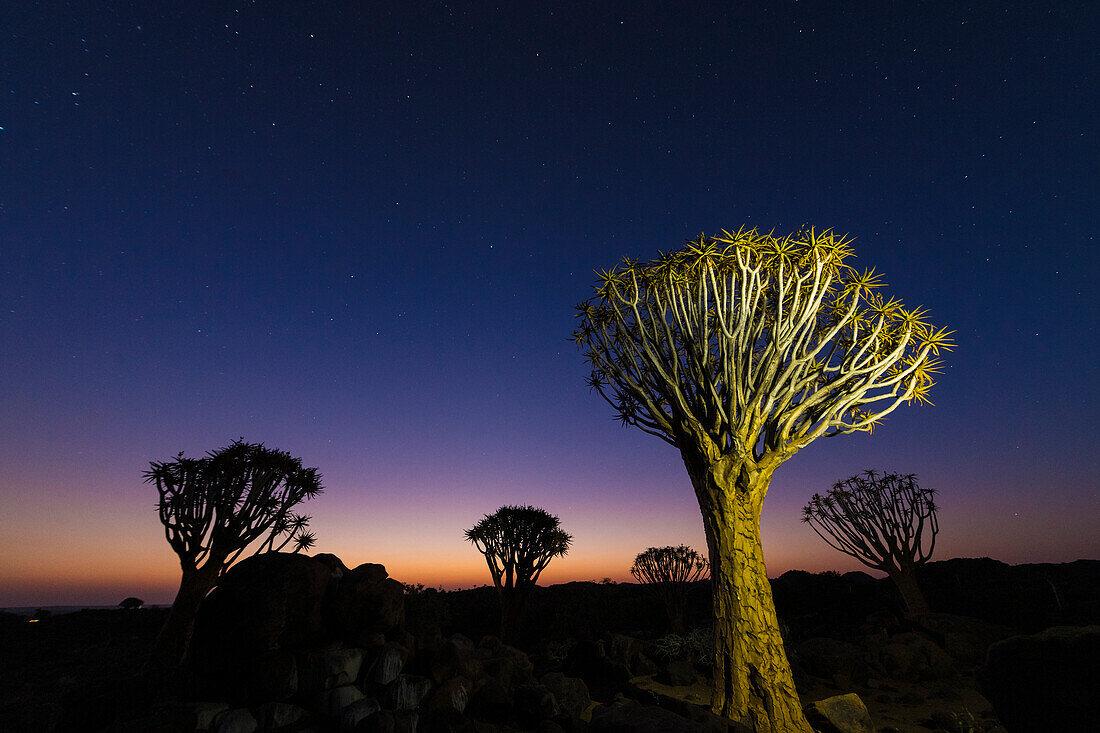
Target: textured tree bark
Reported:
[(752, 677), (512, 602), (905, 579), (174, 639)]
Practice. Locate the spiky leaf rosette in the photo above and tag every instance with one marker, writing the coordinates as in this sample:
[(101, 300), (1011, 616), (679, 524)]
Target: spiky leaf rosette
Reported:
[(754, 344)]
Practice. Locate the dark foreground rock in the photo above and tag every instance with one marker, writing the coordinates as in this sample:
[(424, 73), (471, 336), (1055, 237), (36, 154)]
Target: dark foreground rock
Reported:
[(282, 624), (840, 714), (630, 716), (966, 640), (292, 643), (1045, 682)]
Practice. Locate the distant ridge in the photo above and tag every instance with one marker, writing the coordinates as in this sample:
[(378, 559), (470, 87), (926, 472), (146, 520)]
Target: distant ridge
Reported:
[(61, 610)]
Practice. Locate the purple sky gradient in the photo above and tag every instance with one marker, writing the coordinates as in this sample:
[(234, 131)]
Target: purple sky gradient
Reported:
[(357, 235)]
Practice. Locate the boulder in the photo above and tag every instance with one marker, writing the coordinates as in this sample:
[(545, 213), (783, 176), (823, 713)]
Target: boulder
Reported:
[(285, 624), (389, 721), (534, 703), (278, 715), (629, 716), (509, 665), (840, 714), (965, 639), (388, 662), (335, 565), (678, 672), (407, 692), (265, 609), (271, 676), (456, 657), (429, 641), (489, 645), (829, 658), (171, 718), (501, 668), (603, 675), (631, 652), (911, 656), (570, 692), (237, 720), (491, 701), (454, 694), (445, 720), (367, 602), (359, 710), (331, 703), (323, 669), (1046, 681), (267, 602), (191, 716)]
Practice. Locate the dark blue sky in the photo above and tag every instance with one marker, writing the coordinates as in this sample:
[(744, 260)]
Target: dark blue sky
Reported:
[(356, 232)]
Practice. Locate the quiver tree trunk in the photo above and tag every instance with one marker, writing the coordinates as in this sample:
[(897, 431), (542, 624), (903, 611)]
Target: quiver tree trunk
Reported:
[(752, 677), (677, 614), (512, 602), (174, 639), (905, 578)]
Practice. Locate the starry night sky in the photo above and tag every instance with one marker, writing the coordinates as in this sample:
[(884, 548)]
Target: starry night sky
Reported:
[(355, 231)]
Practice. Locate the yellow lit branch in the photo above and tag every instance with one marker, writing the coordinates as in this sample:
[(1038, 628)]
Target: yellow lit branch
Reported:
[(754, 344)]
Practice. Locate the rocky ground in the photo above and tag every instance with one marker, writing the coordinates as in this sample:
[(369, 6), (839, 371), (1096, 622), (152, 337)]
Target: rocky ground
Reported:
[(308, 645)]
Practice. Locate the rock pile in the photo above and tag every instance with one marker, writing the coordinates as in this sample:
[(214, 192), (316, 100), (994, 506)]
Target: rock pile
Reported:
[(294, 643), (1045, 682)]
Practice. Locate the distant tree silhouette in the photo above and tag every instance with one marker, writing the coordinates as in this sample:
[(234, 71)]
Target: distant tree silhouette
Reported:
[(131, 603), (668, 571), (214, 508), (886, 521), (740, 350), (518, 543)]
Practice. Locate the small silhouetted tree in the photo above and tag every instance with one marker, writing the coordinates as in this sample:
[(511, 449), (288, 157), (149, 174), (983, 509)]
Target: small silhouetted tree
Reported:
[(886, 521), (214, 508), (668, 571), (131, 603), (740, 350), (518, 543)]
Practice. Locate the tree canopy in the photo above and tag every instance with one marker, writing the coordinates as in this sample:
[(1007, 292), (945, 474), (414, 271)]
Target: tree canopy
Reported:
[(883, 520), (754, 344), (215, 507), (518, 543), (679, 564)]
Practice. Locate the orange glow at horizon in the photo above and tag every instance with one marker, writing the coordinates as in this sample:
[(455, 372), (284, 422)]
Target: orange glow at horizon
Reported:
[(93, 552)]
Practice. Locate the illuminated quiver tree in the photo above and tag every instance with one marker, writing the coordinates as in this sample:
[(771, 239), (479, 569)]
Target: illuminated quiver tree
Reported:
[(669, 571), (518, 542), (739, 350), (886, 521), (214, 508)]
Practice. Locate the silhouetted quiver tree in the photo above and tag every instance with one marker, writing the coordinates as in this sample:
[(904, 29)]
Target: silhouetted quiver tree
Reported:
[(669, 571), (518, 542), (886, 521), (214, 508), (740, 350)]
